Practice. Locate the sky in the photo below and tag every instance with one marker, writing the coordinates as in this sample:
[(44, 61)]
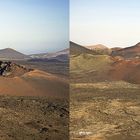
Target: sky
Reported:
[(34, 26), (114, 23)]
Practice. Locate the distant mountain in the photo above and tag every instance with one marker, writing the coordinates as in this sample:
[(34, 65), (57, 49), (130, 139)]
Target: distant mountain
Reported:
[(50, 55), (129, 52), (40, 55), (116, 48), (99, 48), (59, 58), (65, 51), (62, 57), (44, 60), (76, 49), (101, 68), (11, 54)]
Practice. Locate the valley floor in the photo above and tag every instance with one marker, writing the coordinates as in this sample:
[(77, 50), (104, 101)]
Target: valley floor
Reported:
[(105, 111), (33, 118)]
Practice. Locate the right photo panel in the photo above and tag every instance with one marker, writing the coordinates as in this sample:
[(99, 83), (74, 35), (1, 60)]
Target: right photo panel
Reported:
[(104, 70)]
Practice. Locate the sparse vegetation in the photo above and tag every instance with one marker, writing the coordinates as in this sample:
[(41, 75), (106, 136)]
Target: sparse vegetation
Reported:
[(33, 118), (34, 100), (104, 98), (109, 111)]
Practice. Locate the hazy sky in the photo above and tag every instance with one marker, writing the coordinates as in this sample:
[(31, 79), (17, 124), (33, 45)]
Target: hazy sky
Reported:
[(33, 26), (114, 23)]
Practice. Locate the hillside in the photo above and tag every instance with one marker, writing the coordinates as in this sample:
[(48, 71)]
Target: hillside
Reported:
[(129, 52), (33, 82), (127, 70), (50, 55), (10, 54), (107, 89), (33, 118), (100, 68), (90, 68), (88, 63), (99, 48), (76, 49)]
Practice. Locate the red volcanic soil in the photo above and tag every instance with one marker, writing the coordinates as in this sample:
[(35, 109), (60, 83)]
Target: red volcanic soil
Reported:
[(34, 83), (127, 70)]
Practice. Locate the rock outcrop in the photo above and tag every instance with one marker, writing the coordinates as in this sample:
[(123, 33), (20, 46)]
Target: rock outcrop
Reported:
[(9, 69)]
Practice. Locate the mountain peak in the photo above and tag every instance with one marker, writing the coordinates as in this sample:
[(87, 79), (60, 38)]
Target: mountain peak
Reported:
[(76, 49), (8, 49), (9, 53), (98, 46)]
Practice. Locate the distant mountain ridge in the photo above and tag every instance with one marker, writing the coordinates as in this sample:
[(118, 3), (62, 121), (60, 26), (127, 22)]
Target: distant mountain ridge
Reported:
[(62, 55), (50, 55), (127, 52), (9, 53), (122, 64), (99, 48)]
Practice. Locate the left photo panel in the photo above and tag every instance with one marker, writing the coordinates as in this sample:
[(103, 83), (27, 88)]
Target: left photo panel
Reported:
[(34, 70)]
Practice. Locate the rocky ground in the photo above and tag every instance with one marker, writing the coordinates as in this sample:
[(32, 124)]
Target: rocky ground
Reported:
[(26, 117), (58, 68), (11, 69), (105, 111), (33, 118)]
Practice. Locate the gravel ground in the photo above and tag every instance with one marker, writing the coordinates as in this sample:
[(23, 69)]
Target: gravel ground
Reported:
[(33, 118)]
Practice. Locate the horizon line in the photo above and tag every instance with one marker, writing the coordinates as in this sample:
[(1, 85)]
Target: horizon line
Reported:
[(34, 53), (101, 44)]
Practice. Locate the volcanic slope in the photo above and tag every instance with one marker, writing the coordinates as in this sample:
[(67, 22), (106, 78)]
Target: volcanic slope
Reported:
[(87, 67), (11, 54), (24, 82), (76, 49), (99, 48), (104, 97), (129, 52)]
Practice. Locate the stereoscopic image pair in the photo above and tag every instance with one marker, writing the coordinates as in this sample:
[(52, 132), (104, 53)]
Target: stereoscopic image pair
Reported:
[(69, 70)]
